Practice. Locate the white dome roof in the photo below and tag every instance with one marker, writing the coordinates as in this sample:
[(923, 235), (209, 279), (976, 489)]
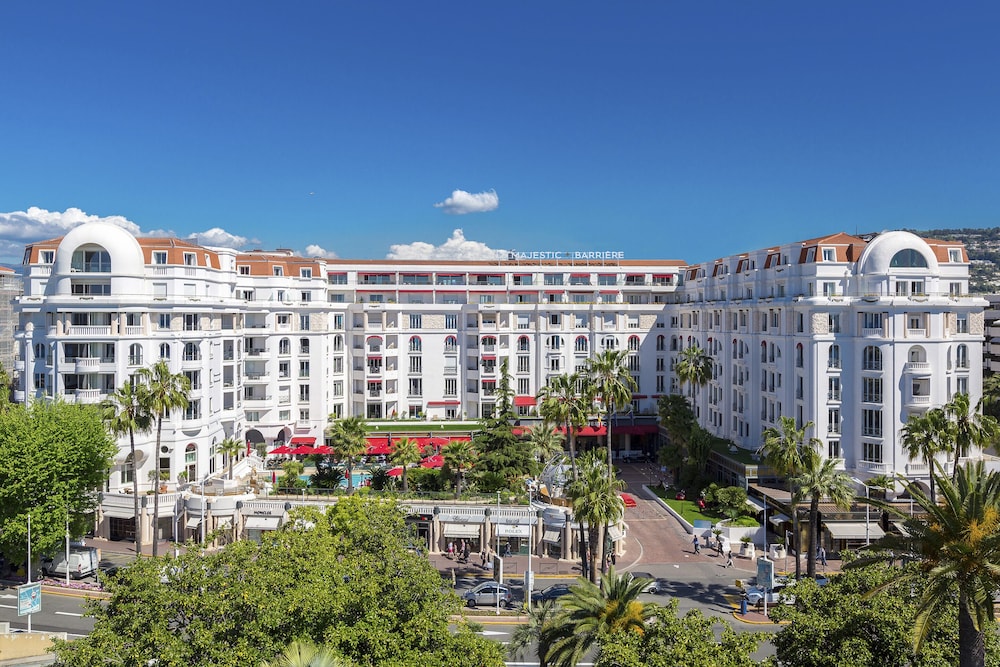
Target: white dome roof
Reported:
[(126, 255), (878, 255)]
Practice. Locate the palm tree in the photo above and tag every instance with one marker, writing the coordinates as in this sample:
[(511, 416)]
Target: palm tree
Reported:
[(562, 402), (597, 502), (787, 450), (546, 443), (459, 455), (590, 612), (958, 544), (693, 368), (306, 654), (926, 436), (536, 631), (349, 442), (990, 401), (613, 385), (818, 479), (125, 413), (165, 392), (230, 448), (405, 452), (971, 428)]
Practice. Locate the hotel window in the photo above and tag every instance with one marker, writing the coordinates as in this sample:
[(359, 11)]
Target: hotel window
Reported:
[(303, 369), (165, 351), (833, 388), (833, 357), (416, 345), (609, 343), (659, 384), (523, 364), (303, 346), (871, 359), (277, 271), (303, 393), (660, 343), (962, 385), (871, 423), (243, 270), (163, 321), (485, 298), (829, 255), (337, 388), (871, 452), (523, 344), (833, 449), (338, 364), (555, 364), (304, 415), (962, 357), (159, 257), (523, 386), (871, 320), (834, 321), (633, 343), (829, 288), (190, 322), (416, 321), (580, 321), (305, 273), (283, 369), (580, 344), (338, 343), (190, 259), (553, 279), (962, 324), (553, 342), (246, 295), (555, 319), (798, 355), (303, 322), (192, 411), (416, 387), (450, 345), (284, 346), (871, 390), (954, 255), (416, 364), (451, 321), (47, 256), (191, 352), (450, 387), (305, 296), (661, 364), (194, 379)]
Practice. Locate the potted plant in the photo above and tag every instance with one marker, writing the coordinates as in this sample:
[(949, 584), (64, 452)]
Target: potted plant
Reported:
[(747, 547), (182, 477), (778, 548)]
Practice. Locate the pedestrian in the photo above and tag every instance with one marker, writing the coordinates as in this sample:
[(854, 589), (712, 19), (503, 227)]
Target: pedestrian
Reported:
[(465, 553), (451, 549), (697, 544), (744, 601), (482, 557), (614, 559), (718, 545), (821, 554), (729, 558)]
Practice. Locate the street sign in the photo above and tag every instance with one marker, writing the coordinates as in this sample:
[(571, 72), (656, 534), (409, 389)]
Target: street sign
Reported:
[(29, 599), (765, 573)]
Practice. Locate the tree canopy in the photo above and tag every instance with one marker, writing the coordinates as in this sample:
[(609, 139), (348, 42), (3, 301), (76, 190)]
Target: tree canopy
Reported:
[(332, 579), (53, 459)]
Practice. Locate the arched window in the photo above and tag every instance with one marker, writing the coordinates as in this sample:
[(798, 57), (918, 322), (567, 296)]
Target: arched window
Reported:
[(91, 259), (833, 358), (661, 342), (962, 356), (416, 345), (374, 344), (191, 461), (871, 359), (917, 354), (451, 344), (523, 344), (284, 346), (135, 354), (609, 343), (908, 259), (128, 470), (763, 352), (489, 341), (581, 344), (191, 352), (798, 355), (735, 348), (165, 351), (633, 343), (555, 342)]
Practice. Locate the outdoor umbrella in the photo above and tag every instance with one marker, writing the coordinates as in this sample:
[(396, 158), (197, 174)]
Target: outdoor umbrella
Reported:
[(302, 449), (435, 461), (281, 449)]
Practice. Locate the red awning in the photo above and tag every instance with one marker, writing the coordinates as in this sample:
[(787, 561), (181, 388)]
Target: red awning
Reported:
[(637, 429), (585, 431), (435, 404), (524, 401), (302, 440)]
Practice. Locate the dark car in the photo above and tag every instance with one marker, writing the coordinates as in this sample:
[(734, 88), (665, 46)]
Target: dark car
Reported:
[(553, 592)]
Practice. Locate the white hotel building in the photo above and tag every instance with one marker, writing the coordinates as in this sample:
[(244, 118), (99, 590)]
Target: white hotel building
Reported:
[(852, 333)]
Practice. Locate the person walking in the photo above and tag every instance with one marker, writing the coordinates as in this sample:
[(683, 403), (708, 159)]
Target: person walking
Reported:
[(821, 555), (697, 545), (729, 558)]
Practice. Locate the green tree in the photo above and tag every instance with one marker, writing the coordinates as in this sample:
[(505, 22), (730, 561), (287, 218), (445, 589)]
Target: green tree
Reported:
[(306, 654), (925, 436), (596, 502), (591, 613), (694, 368), (405, 452), (291, 479), (613, 385), (331, 578), (787, 450), (54, 458), (533, 632), (957, 543), (971, 428), (678, 419), (125, 413), (230, 448), (459, 456), (562, 401), (990, 401), (819, 478), (546, 443), (679, 640), (500, 454), (348, 439), (165, 392)]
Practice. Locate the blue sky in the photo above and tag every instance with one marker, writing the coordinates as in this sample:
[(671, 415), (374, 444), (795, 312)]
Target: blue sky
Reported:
[(673, 130)]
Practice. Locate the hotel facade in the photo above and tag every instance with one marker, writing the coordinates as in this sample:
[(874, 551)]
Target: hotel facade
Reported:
[(854, 334)]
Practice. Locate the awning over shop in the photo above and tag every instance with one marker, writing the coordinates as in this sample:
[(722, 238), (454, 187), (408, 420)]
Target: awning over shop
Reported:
[(513, 530), (778, 519), (262, 523), (900, 527), (755, 505), (854, 530), (461, 530), (193, 522), (119, 512), (552, 536), (615, 533), (524, 401), (302, 440)]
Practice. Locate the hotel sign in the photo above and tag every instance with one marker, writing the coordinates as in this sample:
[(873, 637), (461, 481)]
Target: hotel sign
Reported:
[(514, 255)]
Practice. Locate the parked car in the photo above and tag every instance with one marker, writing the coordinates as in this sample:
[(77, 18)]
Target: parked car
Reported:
[(553, 592), (486, 594), (782, 593), (652, 585), (82, 563)]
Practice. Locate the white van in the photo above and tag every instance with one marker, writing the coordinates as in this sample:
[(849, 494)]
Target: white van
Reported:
[(82, 563)]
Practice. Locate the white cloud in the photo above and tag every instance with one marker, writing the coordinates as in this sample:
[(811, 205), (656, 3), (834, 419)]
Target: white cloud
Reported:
[(37, 224), (461, 202), (456, 247), (314, 250), (220, 238)]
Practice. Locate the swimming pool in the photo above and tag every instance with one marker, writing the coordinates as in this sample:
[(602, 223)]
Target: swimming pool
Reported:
[(359, 479)]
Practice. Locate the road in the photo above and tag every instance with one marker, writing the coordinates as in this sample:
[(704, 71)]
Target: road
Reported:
[(61, 612)]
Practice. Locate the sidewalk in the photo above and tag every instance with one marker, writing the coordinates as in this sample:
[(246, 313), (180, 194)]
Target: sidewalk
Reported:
[(514, 567)]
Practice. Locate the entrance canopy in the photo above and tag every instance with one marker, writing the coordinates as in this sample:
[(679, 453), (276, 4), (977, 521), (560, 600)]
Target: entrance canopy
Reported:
[(854, 530)]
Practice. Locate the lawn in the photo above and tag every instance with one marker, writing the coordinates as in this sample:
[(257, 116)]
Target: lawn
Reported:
[(687, 509)]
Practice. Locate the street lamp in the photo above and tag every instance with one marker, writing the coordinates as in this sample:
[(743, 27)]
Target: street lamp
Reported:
[(868, 509)]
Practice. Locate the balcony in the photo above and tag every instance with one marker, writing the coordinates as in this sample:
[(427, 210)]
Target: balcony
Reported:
[(919, 400), (88, 396), (873, 332), (89, 331), (133, 330), (917, 368)]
